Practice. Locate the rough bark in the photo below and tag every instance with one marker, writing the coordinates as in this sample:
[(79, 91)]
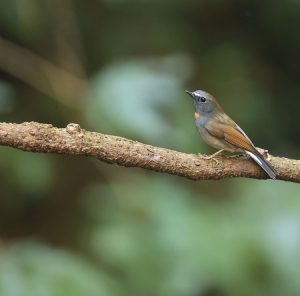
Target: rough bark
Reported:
[(72, 140)]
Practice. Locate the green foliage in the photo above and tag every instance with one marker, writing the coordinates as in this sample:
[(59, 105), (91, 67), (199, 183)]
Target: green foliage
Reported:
[(162, 235), (114, 231), (35, 270)]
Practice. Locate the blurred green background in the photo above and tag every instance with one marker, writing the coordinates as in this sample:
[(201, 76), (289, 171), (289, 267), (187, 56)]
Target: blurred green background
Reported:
[(75, 226)]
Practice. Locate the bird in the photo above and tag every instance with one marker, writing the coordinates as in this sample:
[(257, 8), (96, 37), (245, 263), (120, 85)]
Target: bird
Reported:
[(218, 130)]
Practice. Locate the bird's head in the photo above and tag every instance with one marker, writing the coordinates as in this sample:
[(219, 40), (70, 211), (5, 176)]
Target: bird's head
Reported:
[(204, 102)]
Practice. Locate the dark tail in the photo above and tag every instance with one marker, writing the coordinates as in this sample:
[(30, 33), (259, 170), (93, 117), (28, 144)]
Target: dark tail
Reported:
[(258, 158)]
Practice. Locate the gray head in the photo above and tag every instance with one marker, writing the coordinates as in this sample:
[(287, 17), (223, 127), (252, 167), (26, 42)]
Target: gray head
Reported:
[(204, 102)]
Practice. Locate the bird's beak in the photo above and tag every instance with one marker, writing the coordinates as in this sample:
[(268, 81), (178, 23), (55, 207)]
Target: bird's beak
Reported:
[(190, 93)]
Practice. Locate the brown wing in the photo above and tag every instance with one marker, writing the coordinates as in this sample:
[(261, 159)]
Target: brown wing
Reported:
[(225, 128), (236, 138)]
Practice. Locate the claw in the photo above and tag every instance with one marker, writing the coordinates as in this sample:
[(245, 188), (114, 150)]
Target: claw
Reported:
[(212, 156)]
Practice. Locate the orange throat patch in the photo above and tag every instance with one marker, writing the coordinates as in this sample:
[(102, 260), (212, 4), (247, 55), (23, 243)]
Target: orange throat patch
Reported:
[(197, 115)]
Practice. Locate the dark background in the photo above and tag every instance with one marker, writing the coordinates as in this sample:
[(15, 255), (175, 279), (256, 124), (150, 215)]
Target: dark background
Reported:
[(75, 226)]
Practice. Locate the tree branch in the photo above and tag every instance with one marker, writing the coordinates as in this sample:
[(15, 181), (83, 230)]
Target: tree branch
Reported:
[(72, 140)]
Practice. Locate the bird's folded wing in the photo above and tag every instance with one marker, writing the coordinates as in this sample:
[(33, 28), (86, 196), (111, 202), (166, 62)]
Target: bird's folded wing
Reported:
[(236, 138), (231, 133)]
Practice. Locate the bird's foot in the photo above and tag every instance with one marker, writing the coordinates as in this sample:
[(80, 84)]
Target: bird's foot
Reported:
[(208, 157)]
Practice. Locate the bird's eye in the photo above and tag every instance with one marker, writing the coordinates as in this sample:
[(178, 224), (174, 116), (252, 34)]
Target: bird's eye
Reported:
[(202, 99)]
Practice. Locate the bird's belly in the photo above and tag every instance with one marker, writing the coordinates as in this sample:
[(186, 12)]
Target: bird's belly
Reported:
[(214, 141)]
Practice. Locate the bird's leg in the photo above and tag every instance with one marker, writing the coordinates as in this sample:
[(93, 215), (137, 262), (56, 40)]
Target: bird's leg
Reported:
[(215, 154), (212, 156)]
